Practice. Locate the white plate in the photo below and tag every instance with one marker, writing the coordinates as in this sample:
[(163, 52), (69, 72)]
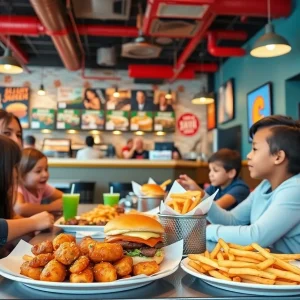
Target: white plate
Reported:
[(77, 228), (88, 288), (241, 287)]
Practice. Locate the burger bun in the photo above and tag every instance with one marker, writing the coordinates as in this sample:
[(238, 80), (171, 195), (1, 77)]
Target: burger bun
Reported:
[(152, 190)]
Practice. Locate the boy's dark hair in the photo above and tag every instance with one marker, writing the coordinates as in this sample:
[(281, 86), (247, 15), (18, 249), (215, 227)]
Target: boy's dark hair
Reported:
[(30, 140), (89, 140), (10, 155), (287, 139), (270, 121), (230, 159)]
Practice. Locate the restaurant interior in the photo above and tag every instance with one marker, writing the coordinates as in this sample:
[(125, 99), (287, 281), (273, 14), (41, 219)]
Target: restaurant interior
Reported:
[(184, 76)]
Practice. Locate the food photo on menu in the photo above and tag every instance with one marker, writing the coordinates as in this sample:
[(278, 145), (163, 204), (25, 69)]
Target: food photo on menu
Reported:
[(42, 118), (68, 119), (117, 120), (141, 120), (118, 99), (70, 97), (164, 121), (92, 119)]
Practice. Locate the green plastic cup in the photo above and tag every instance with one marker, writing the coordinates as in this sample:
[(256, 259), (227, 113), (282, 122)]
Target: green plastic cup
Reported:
[(111, 199), (70, 205)]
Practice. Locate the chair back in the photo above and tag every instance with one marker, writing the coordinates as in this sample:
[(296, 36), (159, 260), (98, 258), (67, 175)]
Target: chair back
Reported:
[(85, 189), (121, 187)]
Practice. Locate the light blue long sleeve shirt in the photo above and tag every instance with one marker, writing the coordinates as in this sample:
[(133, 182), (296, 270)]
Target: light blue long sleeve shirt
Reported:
[(269, 218)]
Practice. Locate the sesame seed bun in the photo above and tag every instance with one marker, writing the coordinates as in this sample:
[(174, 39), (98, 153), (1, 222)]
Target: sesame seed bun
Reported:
[(153, 190)]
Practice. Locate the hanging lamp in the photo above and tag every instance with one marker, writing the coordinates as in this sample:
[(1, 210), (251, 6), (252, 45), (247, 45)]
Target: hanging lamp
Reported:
[(203, 98), (168, 96), (42, 91), (9, 64), (270, 44), (116, 93)]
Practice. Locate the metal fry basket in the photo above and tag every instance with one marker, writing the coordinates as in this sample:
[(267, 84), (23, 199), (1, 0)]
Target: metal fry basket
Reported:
[(192, 229)]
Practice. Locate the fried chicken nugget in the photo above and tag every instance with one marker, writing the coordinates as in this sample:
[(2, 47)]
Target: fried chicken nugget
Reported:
[(67, 253), (109, 252), (54, 271), (41, 260), (62, 238), (85, 243), (124, 266), (147, 268), (42, 248), (80, 264), (30, 272), (105, 272), (86, 276)]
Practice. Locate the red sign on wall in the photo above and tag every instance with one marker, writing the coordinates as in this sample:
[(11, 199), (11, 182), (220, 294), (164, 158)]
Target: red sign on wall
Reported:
[(188, 124)]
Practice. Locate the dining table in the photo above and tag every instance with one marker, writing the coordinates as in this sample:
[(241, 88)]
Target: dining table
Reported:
[(178, 285)]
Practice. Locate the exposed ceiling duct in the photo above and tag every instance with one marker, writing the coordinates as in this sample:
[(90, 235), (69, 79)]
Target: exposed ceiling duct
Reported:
[(53, 18)]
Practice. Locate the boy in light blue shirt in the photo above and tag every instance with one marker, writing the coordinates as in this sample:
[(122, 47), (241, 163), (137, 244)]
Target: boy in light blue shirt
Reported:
[(270, 216)]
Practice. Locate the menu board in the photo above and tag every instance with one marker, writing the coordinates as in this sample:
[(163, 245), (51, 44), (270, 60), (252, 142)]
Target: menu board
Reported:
[(42, 118), (16, 100), (118, 99), (70, 97), (164, 121), (142, 100), (94, 99), (92, 119), (117, 120), (141, 120), (68, 119)]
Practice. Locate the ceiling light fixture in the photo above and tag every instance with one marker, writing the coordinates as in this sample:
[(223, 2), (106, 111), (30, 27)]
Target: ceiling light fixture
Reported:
[(270, 44), (203, 98), (117, 132), (9, 64), (116, 93), (168, 96), (139, 133), (160, 133), (41, 91)]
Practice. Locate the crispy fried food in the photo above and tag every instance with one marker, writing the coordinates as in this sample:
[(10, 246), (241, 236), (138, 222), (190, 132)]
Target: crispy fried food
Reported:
[(109, 252), (124, 277), (124, 266), (42, 248), (30, 272), (80, 264), (105, 272), (147, 268), (86, 276), (67, 253), (85, 244), (62, 238), (54, 271), (41, 260)]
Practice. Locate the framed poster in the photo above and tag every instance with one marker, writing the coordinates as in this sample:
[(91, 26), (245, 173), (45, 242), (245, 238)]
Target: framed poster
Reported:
[(16, 100), (226, 105), (70, 97), (94, 99), (259, 104), (142, 100), (161, 103), (42, 118), (118, 99), (211, 116)]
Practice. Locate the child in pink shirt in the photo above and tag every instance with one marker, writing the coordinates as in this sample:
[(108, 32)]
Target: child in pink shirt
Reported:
[(33, 187)]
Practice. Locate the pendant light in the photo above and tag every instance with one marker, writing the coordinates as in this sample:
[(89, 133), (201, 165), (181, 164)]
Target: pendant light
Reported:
[(270, 44), (168, 96), (41, 91), (116, 93), (203, 98), (9, 64)]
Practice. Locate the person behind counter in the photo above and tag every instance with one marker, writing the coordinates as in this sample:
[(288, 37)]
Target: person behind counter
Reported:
[(10, 229), (137, 151), (33, 187), (126, 149), (10, 126), (29, 141), (224, 169), (88, 152), (270, 216)]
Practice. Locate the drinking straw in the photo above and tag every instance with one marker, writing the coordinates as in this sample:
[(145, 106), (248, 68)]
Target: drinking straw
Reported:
[(111, 189), (72, 188)]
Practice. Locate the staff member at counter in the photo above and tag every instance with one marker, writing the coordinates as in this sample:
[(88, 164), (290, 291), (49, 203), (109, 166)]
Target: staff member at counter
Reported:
[(88, 152), (137, 151)]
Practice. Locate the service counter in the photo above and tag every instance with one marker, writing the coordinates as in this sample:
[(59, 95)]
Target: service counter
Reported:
[(103, 171)]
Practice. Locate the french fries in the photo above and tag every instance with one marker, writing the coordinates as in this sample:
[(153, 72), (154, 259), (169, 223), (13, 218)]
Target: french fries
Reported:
[(247, 264), (184, 202)]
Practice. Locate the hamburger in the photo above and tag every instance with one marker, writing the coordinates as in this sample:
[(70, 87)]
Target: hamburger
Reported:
[(139, 235), (152, 190)]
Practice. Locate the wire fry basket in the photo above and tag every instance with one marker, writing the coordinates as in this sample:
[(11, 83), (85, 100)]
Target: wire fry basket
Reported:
[(192, 229)]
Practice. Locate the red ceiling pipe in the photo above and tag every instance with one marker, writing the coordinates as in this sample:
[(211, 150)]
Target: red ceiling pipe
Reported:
[(52, 16), (108, 30), (21, 25), (157, 72), (15, 48), (214, 50), (252, 8), (235, 35), (70, 12), (205, 68), (150, 14)]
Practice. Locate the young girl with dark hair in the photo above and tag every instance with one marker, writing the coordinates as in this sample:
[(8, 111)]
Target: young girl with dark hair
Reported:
[(33, 187), (11, 229)]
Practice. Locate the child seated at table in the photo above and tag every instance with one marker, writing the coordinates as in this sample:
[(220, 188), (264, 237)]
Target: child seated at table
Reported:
[(10, 229), (33, 187), (270, 216), (224, 168)]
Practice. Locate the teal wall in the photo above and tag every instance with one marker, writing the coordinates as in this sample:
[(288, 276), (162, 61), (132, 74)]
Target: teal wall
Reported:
[(249, 73)]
